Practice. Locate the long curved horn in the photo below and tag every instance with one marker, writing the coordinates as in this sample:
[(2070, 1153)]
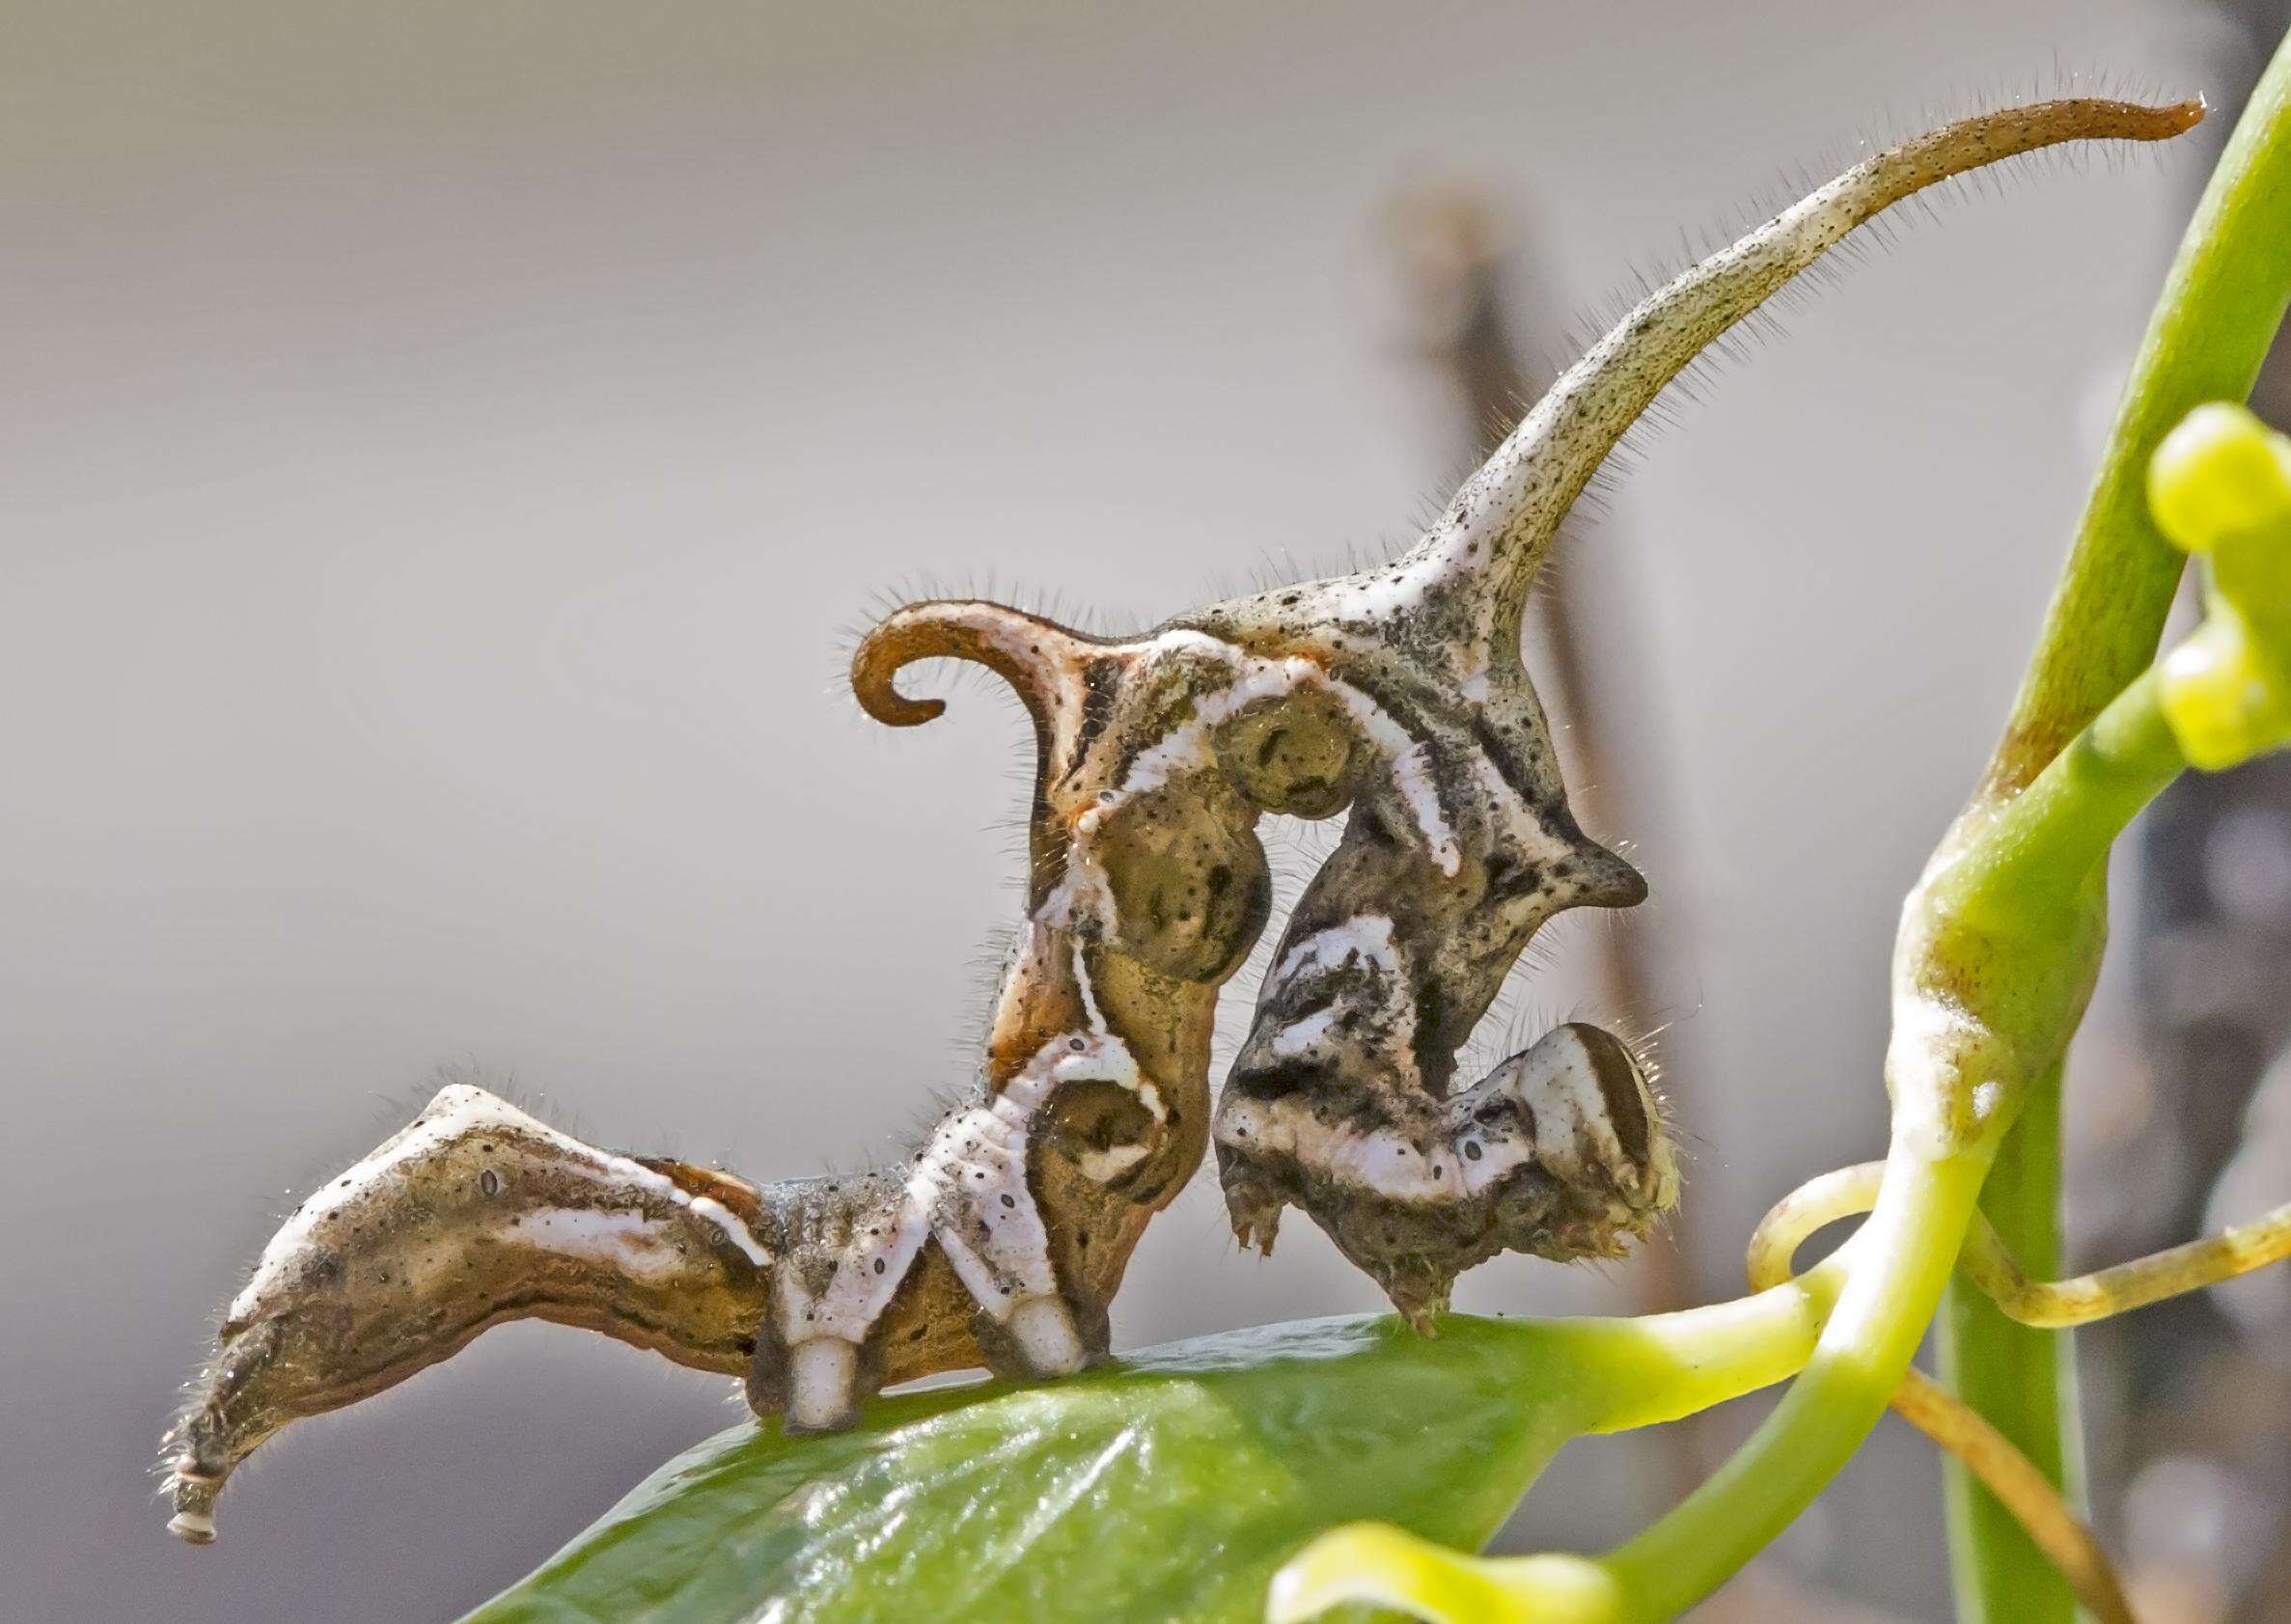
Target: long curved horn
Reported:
[(1041, 660), (1500, 523)]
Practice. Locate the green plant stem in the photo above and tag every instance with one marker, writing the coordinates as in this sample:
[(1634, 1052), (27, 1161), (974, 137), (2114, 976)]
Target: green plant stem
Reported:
[(2213, 325), (2044, 853), (1659, 1368), (2022, 1381), (2018, 898), (1863, 1351)]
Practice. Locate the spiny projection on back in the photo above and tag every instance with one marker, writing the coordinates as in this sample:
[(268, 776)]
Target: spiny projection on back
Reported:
[(1394, 695)]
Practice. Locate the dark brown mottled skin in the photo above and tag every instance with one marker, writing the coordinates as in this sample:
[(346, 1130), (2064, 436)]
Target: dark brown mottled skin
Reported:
[(1395, 696)]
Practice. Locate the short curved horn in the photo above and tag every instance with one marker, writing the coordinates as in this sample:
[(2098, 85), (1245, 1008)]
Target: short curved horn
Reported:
[(1501, 524), (1041, 660)]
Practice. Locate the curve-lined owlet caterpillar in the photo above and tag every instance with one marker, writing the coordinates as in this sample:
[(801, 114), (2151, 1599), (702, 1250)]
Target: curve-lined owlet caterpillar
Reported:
[(1395, 695)]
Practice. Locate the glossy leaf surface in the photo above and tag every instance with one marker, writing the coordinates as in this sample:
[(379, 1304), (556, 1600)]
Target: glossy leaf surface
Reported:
[(1167, 1487)]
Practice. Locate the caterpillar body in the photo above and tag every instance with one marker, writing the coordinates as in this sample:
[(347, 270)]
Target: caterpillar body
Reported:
[(1395, 696)]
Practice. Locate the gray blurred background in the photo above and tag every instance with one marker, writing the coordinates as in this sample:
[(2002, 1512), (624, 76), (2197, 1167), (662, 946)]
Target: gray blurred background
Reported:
[(443, 452)]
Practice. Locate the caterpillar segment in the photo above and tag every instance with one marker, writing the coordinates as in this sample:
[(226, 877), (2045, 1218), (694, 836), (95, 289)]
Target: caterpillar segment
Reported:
[(998, 1246)]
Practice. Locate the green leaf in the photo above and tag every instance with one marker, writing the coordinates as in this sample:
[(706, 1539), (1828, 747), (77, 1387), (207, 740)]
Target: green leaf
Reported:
[(1168, 1486)]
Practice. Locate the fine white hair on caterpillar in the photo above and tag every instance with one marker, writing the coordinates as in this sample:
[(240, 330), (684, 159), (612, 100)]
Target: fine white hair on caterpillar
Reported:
[(1393, 693)]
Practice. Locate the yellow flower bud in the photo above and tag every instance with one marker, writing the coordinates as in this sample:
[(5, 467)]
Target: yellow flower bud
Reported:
[(2220, 487)]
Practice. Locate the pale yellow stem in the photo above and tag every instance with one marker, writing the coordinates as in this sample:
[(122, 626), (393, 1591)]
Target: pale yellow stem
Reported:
[(2057, 1303), (2048, 1305), (2052, 1526), (1991, 1457)]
